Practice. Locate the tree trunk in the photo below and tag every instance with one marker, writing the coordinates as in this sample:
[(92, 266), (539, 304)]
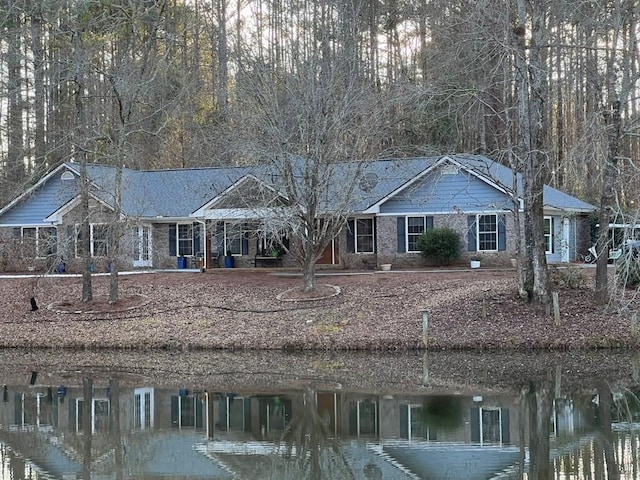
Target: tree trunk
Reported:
[(87, 427), (530, 109), (118, 450), (309, 273), (540, 408), (81, 157), (610, 173), (606, 438)]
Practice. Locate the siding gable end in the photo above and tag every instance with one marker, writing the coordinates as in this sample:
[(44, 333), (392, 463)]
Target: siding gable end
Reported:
[(446, 192)]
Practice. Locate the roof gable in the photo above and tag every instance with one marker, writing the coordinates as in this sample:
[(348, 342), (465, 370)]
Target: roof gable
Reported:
[(40, 200)]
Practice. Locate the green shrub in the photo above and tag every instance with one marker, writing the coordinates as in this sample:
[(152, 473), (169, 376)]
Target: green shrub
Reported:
[(440, 245)]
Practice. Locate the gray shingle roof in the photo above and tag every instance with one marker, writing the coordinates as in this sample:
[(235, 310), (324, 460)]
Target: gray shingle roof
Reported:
[(180, 192)]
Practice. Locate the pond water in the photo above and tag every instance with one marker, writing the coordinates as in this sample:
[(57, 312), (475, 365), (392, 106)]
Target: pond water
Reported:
[(320, 416)]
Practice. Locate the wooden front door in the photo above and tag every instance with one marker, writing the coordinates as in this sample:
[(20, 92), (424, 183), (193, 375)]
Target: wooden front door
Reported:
[(330, 255)]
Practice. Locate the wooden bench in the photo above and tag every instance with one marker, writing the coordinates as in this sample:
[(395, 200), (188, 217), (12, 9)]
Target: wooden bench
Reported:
[(267, 261)]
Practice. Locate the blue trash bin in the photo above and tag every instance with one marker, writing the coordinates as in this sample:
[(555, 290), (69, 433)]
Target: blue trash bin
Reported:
[(182, 262), (228, 261)]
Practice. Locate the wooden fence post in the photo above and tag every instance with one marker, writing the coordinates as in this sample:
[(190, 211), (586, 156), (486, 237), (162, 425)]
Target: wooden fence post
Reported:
[(556, 308), (425, 327)]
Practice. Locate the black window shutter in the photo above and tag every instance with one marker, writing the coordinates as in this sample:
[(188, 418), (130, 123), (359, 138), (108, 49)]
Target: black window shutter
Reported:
[(471, 233), (17, 232), (502, 232), (402, 248), (375, 235), (429, 223), (404, 421), (475, 425), (353, 419), (504, 414), (196, 238), (553, 236), (219, 229), (245, 242), (172, 240), (247, 414), (351, 241)]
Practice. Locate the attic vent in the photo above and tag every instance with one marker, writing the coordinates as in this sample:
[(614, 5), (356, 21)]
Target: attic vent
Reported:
[(450, 169), (67, 176), (368, 181)]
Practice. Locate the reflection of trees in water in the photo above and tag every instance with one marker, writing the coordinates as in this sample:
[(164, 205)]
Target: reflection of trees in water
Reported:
[(308, 447), (539, 398), (601, 458)]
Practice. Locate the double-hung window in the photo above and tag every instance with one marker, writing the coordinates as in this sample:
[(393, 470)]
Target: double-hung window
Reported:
[(99, 240), (415, 227), (185, 239), (548, 234), (363, 235), (233, 236), (41, 239), (487, 232)]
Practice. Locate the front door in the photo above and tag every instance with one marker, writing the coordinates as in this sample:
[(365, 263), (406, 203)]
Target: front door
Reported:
[(141, 241), (330, 255)]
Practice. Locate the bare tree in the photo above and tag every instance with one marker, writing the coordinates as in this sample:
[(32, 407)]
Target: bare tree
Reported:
[(531, 91), (617, 89), (305, 127)]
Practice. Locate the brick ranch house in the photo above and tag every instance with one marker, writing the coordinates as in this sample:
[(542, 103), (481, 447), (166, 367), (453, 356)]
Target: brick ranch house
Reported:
[(181, 218)]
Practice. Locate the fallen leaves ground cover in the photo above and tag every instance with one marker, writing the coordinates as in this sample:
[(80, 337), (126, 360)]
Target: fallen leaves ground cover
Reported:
[(243, 309)]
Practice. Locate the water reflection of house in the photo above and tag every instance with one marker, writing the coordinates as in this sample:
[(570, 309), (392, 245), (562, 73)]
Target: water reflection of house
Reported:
[(184, 433)]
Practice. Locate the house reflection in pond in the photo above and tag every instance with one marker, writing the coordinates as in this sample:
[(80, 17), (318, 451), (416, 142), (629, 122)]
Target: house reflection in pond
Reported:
[(186, 433)]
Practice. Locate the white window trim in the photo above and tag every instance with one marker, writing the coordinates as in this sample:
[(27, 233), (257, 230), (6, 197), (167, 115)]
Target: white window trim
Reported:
[(358, 417), (478, 231), (138, 239), (93, 241), (499, 410), (37, 239), (410, 408), (77, 231), (355, 236), (145, 423), (94, 401), (550, 238), (178, 225), (406, 230), (228, 238)]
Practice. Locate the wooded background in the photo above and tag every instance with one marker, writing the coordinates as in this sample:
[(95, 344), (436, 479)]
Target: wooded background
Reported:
[(160, 84)]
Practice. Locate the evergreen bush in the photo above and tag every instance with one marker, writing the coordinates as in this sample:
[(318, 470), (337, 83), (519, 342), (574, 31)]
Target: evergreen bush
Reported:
[(440, 245)]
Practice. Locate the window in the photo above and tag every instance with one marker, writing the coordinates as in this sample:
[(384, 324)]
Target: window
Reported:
[(100, 240), (187, 410), (185, 239), (415, 227), (233, 236), (363, 235), (100, 412), (487, 232), (413, 425), (548, 234), (141, 240), (41, 239), (143, 408), (99, 245), (490, 425), (36, 410), (363, 418)]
